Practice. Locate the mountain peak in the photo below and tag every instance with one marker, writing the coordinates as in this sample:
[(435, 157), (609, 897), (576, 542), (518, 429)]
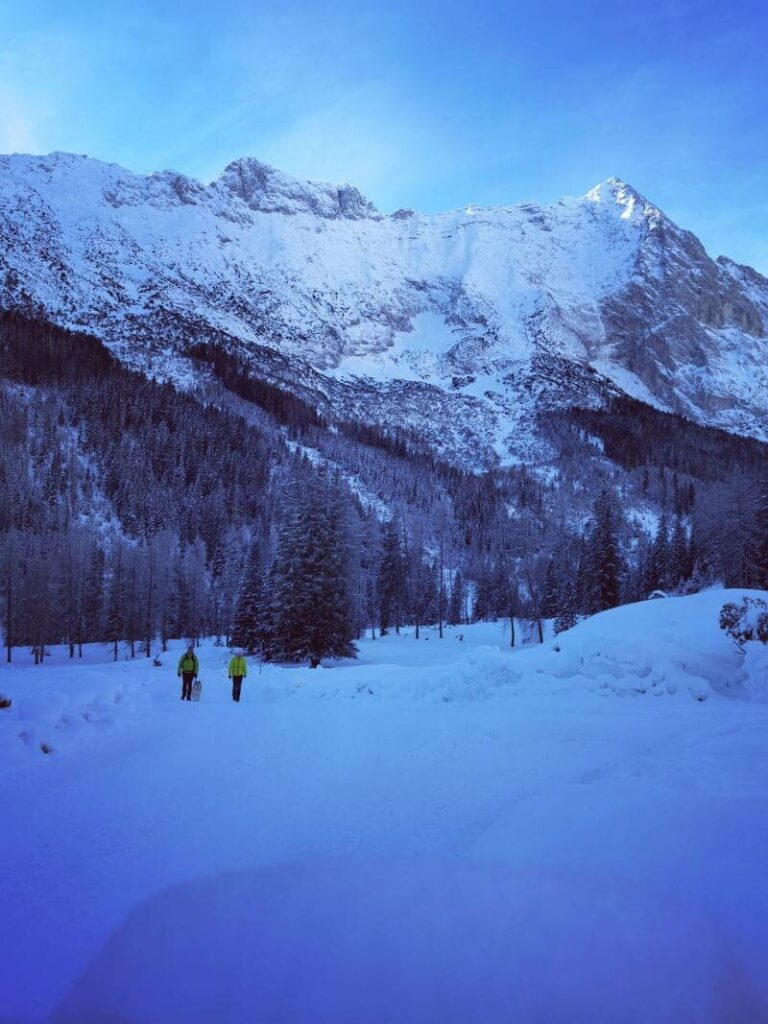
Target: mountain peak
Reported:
[(619, 192), (264, 188)]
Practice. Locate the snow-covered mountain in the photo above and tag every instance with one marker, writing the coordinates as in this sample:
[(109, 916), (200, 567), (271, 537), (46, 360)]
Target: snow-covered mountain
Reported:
[(457, 325)]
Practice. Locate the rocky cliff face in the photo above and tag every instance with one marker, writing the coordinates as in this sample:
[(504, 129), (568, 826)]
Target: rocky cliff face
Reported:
[(457, 325), (267, 190)]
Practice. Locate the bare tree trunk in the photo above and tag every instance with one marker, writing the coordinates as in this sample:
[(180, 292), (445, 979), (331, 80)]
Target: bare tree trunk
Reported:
[(70, 599), (8, 612), (150, 596), (440, 587)]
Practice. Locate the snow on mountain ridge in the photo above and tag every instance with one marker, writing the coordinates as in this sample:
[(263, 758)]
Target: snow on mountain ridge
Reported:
[(262, 187), (615, 190), (470, 318)]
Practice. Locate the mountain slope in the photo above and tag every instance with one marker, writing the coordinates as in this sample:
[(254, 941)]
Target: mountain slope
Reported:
[(458, 326)]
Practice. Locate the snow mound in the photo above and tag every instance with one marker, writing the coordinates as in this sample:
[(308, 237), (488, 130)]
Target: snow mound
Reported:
[(45, 719), (412, 941), (672, 648)]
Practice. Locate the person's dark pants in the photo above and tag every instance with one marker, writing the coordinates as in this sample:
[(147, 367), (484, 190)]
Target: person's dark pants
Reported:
[(186, 685), (237, 682)]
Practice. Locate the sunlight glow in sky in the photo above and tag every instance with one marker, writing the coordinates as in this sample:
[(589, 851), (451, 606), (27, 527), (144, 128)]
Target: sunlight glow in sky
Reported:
[(426, 104)]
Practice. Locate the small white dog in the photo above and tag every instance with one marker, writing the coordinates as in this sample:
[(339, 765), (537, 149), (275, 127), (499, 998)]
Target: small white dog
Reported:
[(197, 689)]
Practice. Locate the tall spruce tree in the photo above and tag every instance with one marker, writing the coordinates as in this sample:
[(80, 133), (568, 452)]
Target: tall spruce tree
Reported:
[(392, 579), (600, 566), (421, 583), (551, 600), (251, 624), (312, 602), (737, 540), (567, 617), (680, 564), (657, 566)]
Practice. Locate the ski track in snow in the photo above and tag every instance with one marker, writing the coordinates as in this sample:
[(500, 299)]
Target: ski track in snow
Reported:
[(591, 813)]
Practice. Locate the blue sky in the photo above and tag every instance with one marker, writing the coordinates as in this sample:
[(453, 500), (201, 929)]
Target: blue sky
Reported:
[(426, 104)]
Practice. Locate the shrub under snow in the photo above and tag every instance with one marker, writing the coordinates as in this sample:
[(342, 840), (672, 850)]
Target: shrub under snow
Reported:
[(747, 620)]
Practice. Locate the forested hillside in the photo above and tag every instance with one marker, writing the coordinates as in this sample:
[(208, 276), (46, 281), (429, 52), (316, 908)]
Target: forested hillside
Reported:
[(131, 512)]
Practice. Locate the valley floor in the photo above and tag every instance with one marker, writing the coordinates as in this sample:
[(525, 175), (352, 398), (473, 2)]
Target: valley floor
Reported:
[(444, 830)]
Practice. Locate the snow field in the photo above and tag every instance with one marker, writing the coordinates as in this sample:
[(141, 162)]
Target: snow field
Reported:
[(441, 831)]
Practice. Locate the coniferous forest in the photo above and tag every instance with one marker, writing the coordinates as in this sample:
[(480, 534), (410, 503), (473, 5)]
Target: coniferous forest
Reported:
[(132, 512)]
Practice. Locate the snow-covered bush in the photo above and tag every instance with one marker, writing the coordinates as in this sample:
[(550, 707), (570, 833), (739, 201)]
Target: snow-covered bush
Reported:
[(745, 621), (566, 620)]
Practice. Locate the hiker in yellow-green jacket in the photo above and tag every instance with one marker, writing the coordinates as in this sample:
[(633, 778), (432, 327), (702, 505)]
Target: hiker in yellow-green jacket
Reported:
[(238, 670), (188, 669)]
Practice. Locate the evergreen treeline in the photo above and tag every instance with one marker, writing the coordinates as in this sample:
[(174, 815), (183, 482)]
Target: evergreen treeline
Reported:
[(131, 512)]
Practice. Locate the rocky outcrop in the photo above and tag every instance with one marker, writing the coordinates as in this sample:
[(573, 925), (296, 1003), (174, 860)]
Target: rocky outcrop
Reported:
[(263, 188)]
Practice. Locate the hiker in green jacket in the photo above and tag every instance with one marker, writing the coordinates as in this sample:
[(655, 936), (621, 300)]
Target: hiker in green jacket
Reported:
[(188, 669), (238, 670)]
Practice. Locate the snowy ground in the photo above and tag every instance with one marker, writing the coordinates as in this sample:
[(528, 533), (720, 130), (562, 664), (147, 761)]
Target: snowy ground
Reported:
[(443, 831)]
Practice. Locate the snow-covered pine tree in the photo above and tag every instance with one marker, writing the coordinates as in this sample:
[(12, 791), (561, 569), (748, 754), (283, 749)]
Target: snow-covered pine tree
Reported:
[(600, 567), (551, 599), (391, 580), (421, 582), (458, 599), (228, 570), (737, 540), (657, 566), (193, 591), (680, 564), (166, 545), (251, 623), (567, 617), (312, 606)]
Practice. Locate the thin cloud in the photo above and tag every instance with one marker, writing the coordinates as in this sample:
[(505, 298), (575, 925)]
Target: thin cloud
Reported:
[(19, 130)]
